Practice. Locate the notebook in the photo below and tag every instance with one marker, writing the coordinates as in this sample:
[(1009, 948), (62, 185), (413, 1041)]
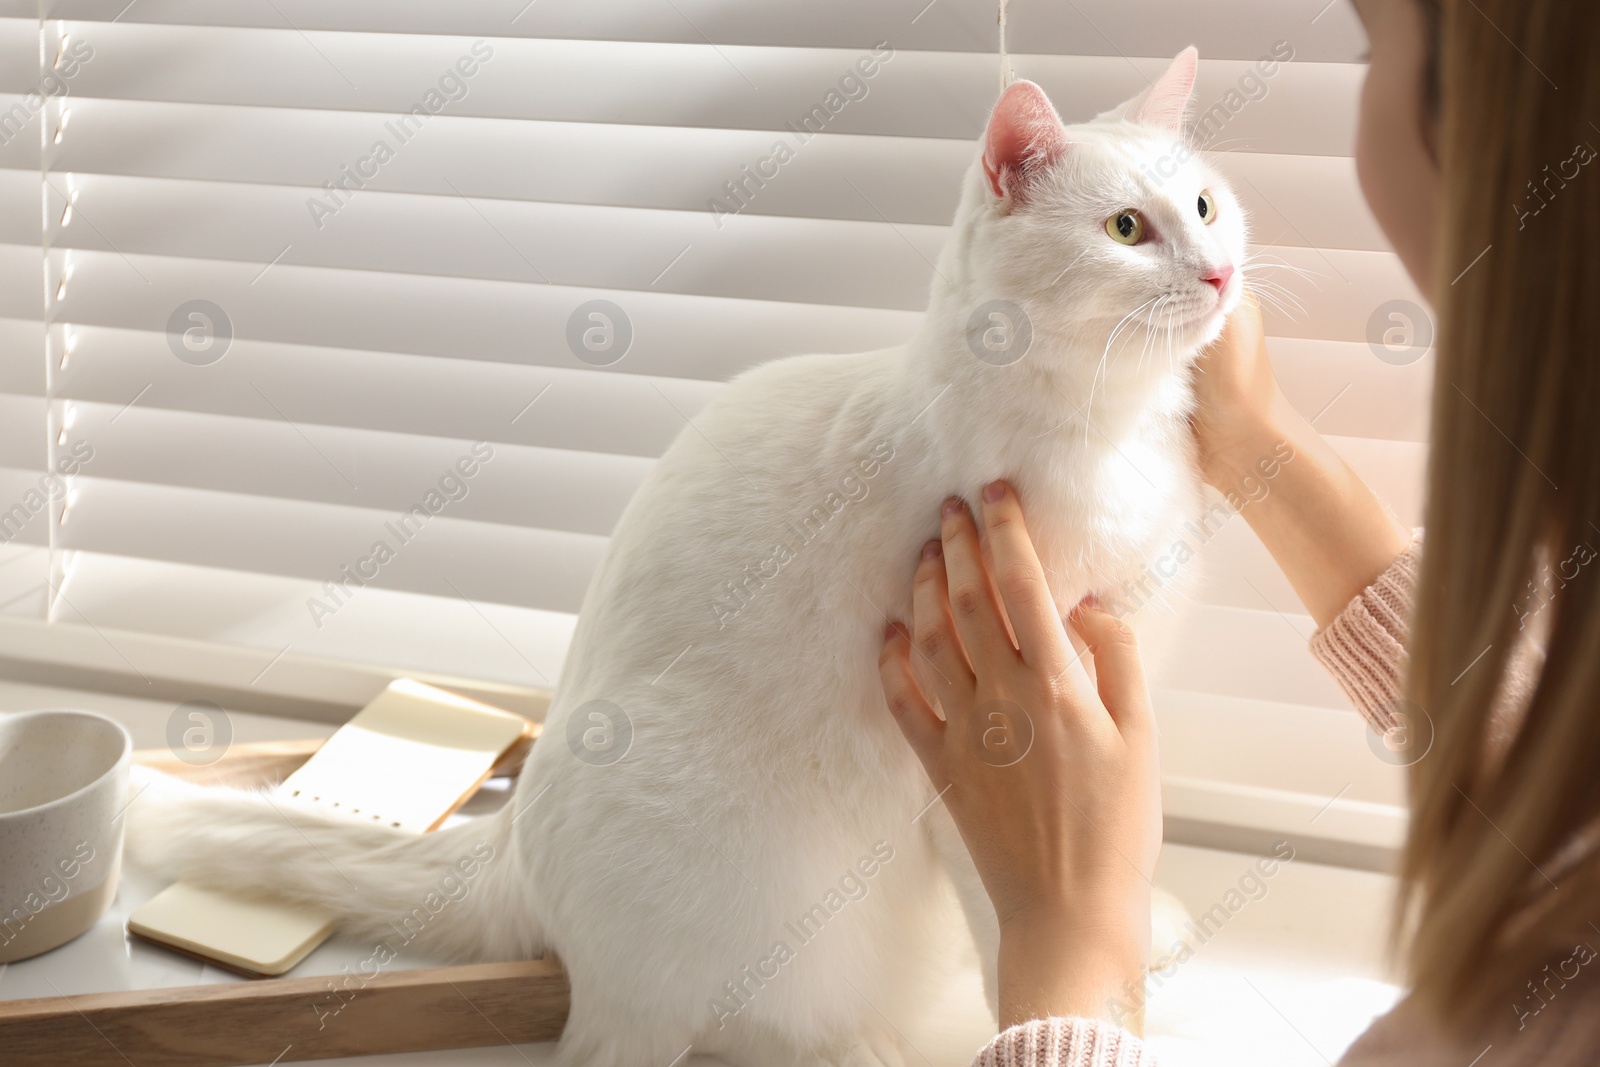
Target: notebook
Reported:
[(406, 761)]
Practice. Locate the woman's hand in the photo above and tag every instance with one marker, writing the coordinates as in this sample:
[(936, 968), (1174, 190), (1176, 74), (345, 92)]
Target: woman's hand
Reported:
[(1237, 397), (1053, 786), (1328, 532)]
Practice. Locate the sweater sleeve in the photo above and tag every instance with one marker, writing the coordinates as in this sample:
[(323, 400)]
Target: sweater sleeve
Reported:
[(1364, 648), (1065, 1043)]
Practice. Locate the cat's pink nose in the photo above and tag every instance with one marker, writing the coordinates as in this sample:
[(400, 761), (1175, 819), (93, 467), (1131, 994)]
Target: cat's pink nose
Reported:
[(1218, 276)]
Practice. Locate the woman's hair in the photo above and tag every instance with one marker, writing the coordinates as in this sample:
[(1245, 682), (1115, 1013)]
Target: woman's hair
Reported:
[(1491, 887)]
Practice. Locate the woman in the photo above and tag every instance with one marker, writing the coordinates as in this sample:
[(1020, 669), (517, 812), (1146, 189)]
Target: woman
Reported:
[(1474, 116)]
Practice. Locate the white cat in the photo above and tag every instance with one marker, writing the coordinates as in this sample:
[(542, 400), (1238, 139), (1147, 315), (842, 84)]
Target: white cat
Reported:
[(722, 834)]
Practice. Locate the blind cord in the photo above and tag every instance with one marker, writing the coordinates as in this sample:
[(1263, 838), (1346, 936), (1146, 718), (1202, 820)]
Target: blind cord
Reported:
[(1007, 75)]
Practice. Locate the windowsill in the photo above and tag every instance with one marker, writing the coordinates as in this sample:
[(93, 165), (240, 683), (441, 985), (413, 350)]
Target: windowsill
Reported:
[(1299, 960)]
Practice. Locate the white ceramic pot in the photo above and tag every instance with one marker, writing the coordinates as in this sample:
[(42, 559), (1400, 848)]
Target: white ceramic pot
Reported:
[(63, 787)]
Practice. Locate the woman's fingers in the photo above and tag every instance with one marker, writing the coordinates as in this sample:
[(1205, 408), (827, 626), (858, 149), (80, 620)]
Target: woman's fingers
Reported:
[(915, 716), (1019, 578), (972, 598), (933, 631), (1119, 673)]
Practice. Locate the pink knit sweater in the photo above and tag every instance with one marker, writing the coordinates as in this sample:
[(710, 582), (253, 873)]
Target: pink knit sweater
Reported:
[(1364, 649)]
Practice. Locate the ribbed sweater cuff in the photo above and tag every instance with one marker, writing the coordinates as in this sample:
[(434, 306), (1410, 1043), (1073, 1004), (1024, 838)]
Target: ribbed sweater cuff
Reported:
[(1364, 648), (1065, 1043)]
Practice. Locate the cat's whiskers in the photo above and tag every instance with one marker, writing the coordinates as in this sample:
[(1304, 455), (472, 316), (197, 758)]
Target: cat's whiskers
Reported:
[(1150, 329), (1168, 312), (1260, 284), (1271, 292), (1171, 337), (1280, 304), (1263, 259), (1103, 365), (1221, 146), (1277, 297), (1162, 317)]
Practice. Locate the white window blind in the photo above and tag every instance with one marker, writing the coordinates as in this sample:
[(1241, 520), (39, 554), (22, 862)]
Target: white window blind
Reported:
[(317, 251)]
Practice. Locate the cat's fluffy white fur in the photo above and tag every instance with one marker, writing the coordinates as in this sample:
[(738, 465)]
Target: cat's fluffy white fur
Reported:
[(767, 798)]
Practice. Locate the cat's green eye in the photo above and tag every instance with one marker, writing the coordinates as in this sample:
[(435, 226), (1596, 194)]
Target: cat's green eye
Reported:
[(1126, 227), (1207, 207)]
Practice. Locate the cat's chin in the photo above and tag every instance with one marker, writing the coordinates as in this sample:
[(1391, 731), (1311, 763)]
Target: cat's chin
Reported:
[(1204, 326)]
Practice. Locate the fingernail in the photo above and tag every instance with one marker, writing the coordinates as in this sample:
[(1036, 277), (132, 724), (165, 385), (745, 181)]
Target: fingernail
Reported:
[(932, 550), (952, 506), (994, 491)]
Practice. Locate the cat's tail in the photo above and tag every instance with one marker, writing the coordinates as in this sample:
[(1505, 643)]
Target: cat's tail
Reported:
[(451, 894)]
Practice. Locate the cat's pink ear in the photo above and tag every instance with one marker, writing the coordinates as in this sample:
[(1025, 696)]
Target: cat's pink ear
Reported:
[(1164, 103), (1025, 136)]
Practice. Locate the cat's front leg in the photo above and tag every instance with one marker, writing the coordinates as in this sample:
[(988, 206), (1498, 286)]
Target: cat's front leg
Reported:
[(975, 902)]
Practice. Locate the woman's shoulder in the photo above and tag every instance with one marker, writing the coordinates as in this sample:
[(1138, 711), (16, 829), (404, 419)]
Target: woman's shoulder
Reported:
[(1555, 1021)]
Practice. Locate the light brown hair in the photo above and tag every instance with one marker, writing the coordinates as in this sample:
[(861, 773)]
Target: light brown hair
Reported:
[(1513, 485)]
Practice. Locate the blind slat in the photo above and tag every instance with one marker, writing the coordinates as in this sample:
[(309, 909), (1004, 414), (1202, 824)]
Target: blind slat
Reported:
[(21, 287), (1241, 29), (1249, 653), (1200, 740), (21, 433), (21, 487), (210, 609), (551, 489), (522, 566), (673, 334), (21, 360), (592, 410)]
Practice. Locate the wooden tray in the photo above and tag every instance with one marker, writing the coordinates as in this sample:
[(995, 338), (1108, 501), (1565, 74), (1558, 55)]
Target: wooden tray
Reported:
[(275, 1020)]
